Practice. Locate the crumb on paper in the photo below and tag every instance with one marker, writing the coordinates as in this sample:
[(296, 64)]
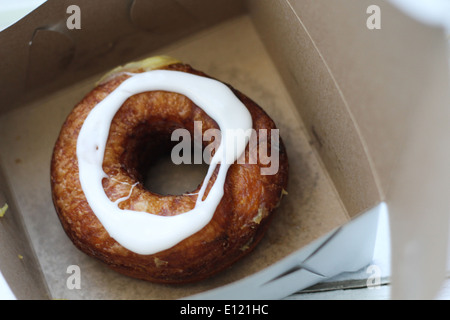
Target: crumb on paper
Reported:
[(247, 245), (282, 195), (20, 256), (3, 210), (262, 213), (160, 263)]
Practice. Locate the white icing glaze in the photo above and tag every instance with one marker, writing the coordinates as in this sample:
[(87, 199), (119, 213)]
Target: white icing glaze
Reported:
[(142, 232)]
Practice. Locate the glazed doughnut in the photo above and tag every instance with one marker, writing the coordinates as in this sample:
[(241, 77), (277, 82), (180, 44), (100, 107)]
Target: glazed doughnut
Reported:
[(119, 128)]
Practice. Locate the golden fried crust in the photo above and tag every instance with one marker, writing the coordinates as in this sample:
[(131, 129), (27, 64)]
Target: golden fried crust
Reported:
[(145, 122)]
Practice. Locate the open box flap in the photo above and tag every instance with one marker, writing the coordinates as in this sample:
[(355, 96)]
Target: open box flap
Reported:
[(49, 55), (309, 265), (403, 133)]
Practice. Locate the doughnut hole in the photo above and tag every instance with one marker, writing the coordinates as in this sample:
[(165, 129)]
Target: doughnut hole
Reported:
[(157, 171)]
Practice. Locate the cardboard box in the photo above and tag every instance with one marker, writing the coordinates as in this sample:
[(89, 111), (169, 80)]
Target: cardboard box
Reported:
[(363, 112)]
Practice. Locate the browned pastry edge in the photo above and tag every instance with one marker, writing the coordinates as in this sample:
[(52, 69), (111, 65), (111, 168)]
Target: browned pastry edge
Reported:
[(140, 129)]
